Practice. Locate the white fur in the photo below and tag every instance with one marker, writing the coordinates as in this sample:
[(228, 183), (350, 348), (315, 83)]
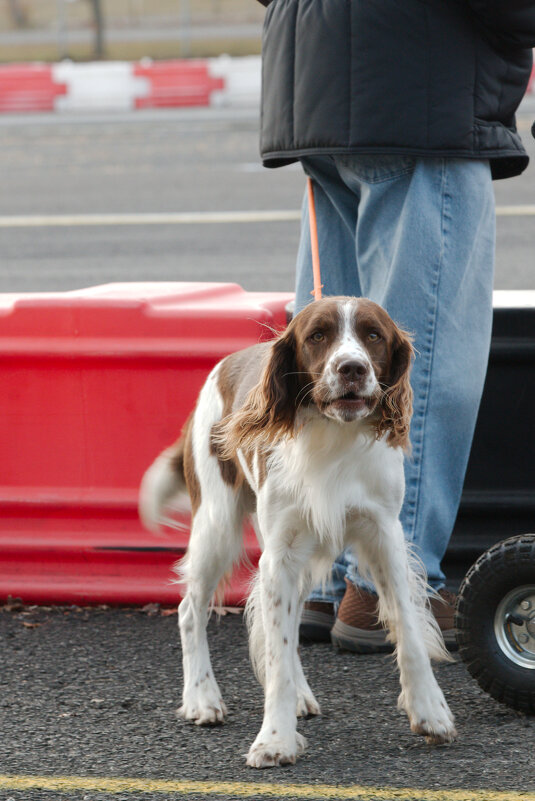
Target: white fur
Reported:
[(330, 486), (348, 348), (215, 544)]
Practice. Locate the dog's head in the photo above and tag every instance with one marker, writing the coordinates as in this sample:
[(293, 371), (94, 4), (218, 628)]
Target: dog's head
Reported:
[(343, 358)]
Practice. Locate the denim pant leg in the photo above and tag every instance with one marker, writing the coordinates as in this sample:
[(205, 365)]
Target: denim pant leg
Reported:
[(424, 249), (336, 212)]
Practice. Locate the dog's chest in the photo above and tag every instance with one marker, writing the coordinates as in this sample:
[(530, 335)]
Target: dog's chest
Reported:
[(334, 481)]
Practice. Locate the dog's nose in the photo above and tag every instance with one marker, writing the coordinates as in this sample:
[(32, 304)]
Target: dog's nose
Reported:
[(352, 369)]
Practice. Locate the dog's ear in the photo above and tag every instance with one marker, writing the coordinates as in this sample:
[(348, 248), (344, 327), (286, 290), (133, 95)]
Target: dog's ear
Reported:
[(396, 401), (270, 407)]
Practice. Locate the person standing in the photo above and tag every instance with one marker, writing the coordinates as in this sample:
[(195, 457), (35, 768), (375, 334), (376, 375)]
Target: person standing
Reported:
[(402, 113)]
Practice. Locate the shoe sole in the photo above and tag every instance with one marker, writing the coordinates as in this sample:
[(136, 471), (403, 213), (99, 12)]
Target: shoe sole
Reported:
[(315, 626), (450, 639), (365, 641), (360, 641)]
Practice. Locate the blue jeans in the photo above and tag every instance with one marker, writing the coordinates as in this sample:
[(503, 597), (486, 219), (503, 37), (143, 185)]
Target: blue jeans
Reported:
[(417, 236)]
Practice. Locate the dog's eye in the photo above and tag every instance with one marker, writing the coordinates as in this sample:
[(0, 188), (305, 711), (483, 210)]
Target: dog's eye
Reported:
[(317, 336), (373, 336)]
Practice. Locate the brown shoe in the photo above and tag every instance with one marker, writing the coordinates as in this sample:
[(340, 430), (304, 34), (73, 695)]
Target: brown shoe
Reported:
[(443, 609), (317, 621), (357, 627)]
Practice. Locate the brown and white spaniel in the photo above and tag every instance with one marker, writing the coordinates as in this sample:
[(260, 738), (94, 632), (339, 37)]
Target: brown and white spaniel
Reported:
[(306, 434)]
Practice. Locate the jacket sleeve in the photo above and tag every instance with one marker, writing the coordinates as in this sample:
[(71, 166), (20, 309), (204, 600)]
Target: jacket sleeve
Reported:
[(511, 22), (265, 2)]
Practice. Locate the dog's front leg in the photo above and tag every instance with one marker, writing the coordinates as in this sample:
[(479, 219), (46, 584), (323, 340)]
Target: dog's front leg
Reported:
[(403, 606), (306, 702), (278, 742)]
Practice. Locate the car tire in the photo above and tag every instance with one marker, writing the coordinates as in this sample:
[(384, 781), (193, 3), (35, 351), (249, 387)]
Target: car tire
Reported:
[(495, 622)]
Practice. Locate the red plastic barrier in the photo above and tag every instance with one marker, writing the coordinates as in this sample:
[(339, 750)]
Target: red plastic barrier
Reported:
[(28, 87), (177, 83), (94, 384)]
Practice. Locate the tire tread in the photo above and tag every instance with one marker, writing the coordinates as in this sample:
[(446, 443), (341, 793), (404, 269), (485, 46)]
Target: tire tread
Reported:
[(494, 570)]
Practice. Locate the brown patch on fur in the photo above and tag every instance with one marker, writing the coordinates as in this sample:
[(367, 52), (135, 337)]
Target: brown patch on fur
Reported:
[(268, 412), (177, 459), (392, 360), (182, 463), (237, 374), (249, 461), (262, 457), (188, 464), (229, 468)]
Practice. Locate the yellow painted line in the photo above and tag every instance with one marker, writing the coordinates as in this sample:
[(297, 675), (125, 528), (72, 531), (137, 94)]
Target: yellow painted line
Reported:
[(67, 784), (178, 218), (186, 218), (515, 211)]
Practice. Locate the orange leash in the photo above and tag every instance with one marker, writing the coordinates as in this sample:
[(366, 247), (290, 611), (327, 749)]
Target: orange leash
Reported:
[(314, 241)]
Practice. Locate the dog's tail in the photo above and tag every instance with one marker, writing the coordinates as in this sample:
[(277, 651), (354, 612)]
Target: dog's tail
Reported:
[(164, 485)]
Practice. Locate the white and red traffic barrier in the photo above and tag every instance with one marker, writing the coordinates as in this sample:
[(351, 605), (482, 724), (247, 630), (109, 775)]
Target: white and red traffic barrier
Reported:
[(123, 86), (95, 383), (29, 87)]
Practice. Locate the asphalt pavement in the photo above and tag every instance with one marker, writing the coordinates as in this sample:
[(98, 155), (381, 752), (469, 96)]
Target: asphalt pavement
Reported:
[(176, 161), (93, 693)]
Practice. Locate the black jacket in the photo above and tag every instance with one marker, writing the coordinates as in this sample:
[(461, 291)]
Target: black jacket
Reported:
[(415, 77)]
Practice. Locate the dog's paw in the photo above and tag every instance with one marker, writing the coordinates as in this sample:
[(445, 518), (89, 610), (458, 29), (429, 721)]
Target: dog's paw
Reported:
[(435, 732), (431, 717), (275, 751), (307, 704), (205, 715), (204, 709)]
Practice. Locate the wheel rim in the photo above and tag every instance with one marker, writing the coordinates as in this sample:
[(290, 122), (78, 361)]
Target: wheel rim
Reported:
[(514, 626)]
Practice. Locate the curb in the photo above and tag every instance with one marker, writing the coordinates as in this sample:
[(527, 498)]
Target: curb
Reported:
[(126, 86)]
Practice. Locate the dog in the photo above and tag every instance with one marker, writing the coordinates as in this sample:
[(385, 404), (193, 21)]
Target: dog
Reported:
[(305, 434)]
